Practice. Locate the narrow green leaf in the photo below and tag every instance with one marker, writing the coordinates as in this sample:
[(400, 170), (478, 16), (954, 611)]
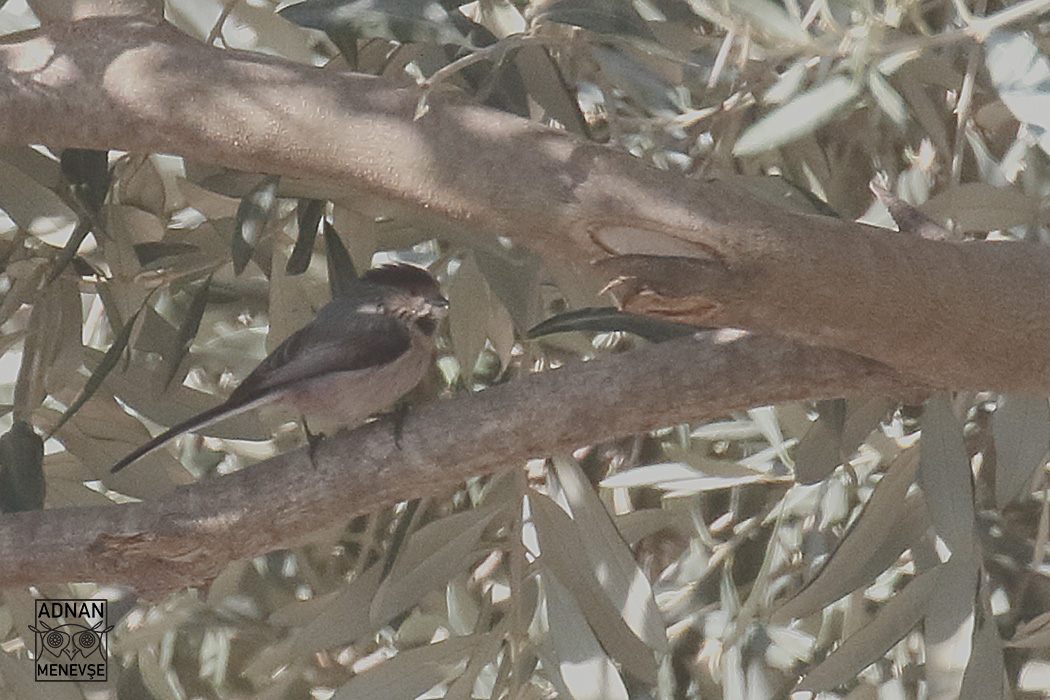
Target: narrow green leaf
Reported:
[(87, 172), (341, 269), (603, 319), (188, 328), (308, 217), (105, 366), (547, 85), (802, 115), (1021, 425), (888, 99), (771, 19), (945, 477), (406, 21), (614, 17), (253, 213), (21, 469), (865, 646), (150, 252)]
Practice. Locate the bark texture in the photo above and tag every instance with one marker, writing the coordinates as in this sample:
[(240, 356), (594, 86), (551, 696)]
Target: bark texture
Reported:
[(963, 316), (187, 538)]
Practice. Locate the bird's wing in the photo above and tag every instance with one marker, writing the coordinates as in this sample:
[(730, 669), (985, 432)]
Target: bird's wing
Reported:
[(345, 343), (360, 341)]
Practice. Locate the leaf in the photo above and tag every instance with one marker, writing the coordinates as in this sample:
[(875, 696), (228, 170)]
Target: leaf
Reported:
[(31, 206), (865, 646), (978, 206), (613, 562), (889, 524), (52, 345), (862, 417), (72, 246), (771, 19), (948, 623), (819, 452), (105, 366), (20, 682), (430, 558), (835, 436), (87, 172), (562, 549), (139, 183), (545, 83), (39, 167), (582, 665), (888, 99), (341, 271), (514, 276), (682, 479), (1021, 425), (641, 83), (468, 302), (21, 469), (802, 115), (614, 17), (603, 319), (101, 433), (1021, 74), (253, 213), (188, 329), (985, 677), (406, 21), (337, 619), (650, 475), (1033, 633), (151, 252), (945, 477), (308, 216), (912, 82), (411, 672), (137, 386)]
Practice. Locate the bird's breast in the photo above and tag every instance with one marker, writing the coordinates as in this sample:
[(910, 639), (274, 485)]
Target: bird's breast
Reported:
[(342, 399)]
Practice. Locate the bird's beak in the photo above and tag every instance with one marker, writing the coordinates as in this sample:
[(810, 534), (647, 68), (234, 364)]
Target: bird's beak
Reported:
[(438, 306)]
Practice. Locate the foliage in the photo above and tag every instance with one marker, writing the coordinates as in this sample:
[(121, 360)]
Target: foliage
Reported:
[(685, 563)]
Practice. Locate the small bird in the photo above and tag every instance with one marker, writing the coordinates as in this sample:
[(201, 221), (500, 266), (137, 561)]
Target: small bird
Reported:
[(366, 348)]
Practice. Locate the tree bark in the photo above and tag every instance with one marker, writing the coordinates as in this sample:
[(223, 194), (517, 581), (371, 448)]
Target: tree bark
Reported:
[(962, 316), (187, 538)]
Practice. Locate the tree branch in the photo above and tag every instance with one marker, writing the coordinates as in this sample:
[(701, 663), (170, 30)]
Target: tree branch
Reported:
[(973, 315), (187, 538)]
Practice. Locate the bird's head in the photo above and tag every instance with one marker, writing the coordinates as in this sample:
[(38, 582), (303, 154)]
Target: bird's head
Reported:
[(409, 292)]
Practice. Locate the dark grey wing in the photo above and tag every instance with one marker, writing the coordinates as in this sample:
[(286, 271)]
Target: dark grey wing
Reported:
[(336, 341), (352, 342)]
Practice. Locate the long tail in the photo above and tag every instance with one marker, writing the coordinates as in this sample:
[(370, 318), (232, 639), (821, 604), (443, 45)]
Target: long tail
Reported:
[(212, 415)]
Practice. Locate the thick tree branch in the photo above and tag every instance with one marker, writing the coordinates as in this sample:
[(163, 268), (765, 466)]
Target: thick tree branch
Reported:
[(961, 316), (188, 537)]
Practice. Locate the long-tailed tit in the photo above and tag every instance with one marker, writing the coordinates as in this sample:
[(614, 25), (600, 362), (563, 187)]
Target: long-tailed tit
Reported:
[(365, 349)]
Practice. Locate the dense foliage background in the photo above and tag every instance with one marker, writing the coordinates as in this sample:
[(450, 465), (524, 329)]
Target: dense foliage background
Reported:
[(731, 559)]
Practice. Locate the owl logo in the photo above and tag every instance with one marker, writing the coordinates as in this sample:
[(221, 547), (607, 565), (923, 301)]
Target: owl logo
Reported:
[(71, 639)]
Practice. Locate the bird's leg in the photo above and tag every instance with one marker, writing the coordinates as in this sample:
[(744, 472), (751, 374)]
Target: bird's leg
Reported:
[(312, 441)]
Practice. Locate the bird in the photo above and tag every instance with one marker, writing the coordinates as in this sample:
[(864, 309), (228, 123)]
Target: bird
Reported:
[(365, 349)]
